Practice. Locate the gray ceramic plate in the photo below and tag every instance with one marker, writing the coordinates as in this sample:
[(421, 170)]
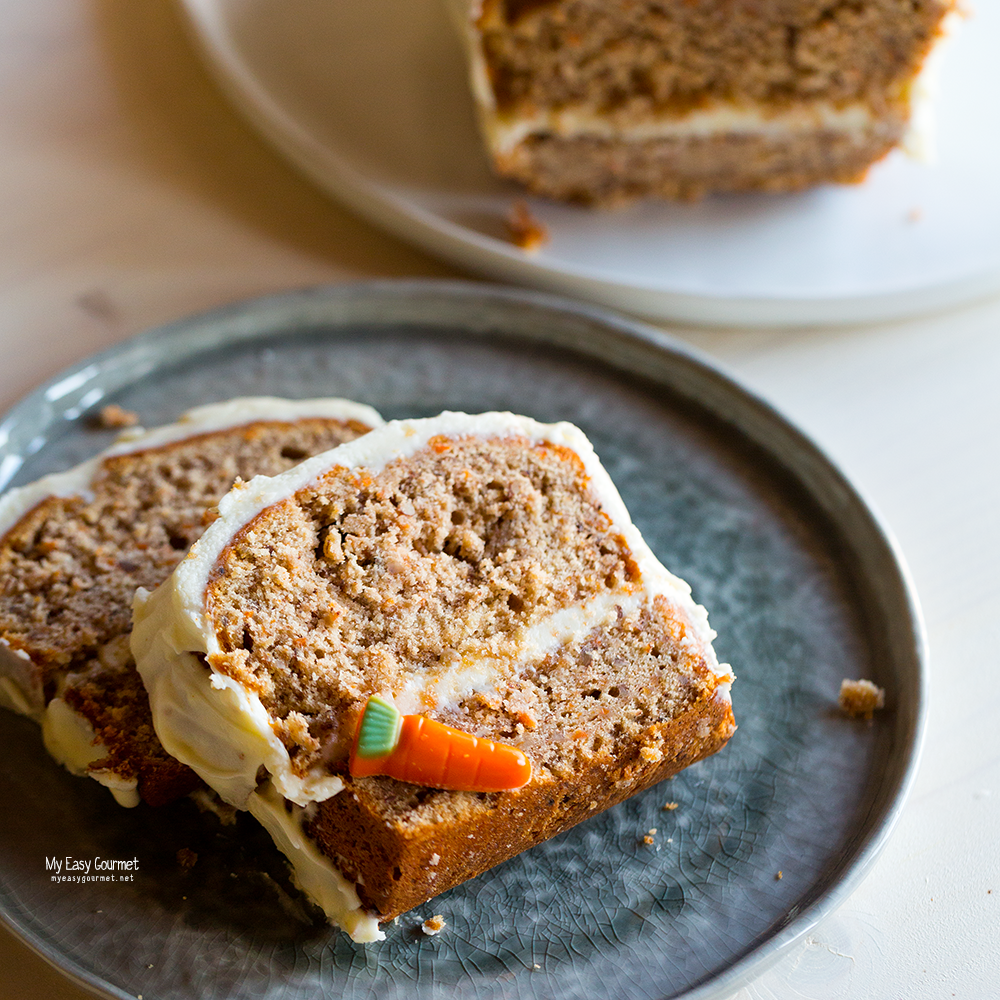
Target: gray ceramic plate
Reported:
[(802, 584)]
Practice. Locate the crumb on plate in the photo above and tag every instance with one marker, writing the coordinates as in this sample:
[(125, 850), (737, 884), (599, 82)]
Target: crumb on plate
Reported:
[(186, 858), (860, 698), (433, 925), (525, 230), (113, 417)]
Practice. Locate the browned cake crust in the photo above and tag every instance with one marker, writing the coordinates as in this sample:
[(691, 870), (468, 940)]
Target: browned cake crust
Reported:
[(70, 567), (631, 62)]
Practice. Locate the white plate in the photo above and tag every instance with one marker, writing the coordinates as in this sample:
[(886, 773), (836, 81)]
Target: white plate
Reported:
[(370, 99)]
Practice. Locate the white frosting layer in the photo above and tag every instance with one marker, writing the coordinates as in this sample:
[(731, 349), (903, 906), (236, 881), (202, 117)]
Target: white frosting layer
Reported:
[(482, 671), (313, 872), (222, 731), (15, 503), (70, 739), (20, 685), (504, 132), (68, 736)]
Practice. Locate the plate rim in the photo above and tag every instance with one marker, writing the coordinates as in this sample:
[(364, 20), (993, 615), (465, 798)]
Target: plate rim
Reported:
[(418, 299), (494, 258)]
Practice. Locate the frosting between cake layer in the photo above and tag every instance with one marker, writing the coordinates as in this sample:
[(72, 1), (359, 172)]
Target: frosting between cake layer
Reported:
[(505, 132), (482, 671)]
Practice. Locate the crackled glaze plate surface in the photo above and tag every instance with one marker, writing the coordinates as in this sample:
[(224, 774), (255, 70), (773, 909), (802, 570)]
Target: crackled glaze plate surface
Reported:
[(371, 100), (801, 582)]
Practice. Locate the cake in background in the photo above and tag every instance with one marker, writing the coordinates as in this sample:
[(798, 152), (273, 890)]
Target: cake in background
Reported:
[(606, 101)]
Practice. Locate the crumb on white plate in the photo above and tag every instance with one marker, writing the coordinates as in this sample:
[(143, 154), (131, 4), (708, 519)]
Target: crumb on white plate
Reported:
[(524, 229)]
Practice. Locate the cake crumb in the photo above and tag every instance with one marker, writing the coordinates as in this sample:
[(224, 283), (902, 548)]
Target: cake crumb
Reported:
[(860, 698), (651, 754), (524, 229), (114, 417), (670, 806), (914, 215), (435, 858), (186, 858), (649, 838), (433, 925), (779, 876)]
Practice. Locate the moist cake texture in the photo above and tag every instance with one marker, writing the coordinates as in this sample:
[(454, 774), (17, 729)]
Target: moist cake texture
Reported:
[(482, 571), (75, 546), (607, 100)]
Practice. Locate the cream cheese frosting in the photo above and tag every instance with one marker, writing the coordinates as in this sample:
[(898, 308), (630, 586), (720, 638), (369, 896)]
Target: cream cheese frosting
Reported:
[(223, 732), (16, 502), (68, 736), (70, 739)]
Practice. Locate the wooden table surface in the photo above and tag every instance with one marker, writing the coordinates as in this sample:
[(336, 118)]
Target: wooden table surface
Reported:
[(131, 194)]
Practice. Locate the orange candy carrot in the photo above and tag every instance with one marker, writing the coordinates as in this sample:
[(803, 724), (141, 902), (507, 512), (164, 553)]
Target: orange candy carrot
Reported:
[(417, 749)]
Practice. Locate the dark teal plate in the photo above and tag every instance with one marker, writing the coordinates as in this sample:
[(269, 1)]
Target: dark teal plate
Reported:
[(801, 582)]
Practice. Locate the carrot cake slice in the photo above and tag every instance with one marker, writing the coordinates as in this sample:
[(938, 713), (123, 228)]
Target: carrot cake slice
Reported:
[(426, 651), (607, 100), (74, 546)]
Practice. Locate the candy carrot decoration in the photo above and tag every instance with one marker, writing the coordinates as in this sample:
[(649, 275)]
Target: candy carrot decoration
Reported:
[(415, 748)]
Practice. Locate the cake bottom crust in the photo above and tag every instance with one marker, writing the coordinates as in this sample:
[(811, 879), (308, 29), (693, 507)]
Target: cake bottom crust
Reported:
[(608, 172), (400, 863)]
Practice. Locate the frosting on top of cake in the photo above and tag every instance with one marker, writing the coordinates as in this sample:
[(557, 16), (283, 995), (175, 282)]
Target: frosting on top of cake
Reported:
[(211, 417)]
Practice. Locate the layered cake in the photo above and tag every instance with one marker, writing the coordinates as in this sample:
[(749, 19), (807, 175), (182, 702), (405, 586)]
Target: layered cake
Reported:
[(608, 100), (426, 651), (74, 547)]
